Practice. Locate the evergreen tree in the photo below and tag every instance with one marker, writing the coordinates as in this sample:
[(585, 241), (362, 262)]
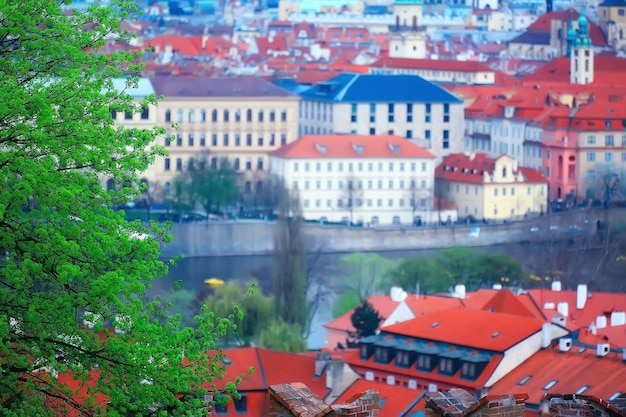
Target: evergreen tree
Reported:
[(365, 320)]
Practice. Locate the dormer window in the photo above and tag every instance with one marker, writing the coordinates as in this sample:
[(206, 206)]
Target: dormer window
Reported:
[(357, 148), (504, 172), (385, 350), (446, 366), (321, 148), (394, 148), (425, 363), (241, 403)]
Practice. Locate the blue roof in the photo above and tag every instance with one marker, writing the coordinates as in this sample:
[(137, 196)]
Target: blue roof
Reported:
[(378, 88)]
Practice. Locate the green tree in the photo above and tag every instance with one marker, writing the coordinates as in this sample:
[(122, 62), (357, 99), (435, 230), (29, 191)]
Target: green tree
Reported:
[(282, 336), (179, 195), (68, 258), (289, 262), (363, 273), (345, 302), (365, 320), (492, 268), (408, 273), (459, 265), (257, 308), (213, 187)]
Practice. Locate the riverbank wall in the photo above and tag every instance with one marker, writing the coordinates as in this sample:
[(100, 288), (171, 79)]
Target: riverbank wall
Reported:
[(238, 238)]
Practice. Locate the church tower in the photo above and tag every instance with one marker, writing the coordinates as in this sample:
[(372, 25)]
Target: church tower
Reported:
[(582, 54), (407, 35)]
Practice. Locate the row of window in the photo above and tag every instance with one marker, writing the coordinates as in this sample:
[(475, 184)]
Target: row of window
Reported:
[(360, 166), (318, 130), (192, 163), (391, 116), (496, 191), (358, 203), (608, 156), (226, 140), (144, 115), (225, 115), (359, 185)]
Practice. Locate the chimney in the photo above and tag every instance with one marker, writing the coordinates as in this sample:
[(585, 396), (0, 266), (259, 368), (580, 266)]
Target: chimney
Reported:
[(556, 285), (565, 344), (581, 296), (459, 291), (205, 39), (600, 322), (603, 349), (618, 318), (563, 308), (417, 291), (397, 294), (168, 48), (560, 320), (546, 338), (321, 361), (296, 399)]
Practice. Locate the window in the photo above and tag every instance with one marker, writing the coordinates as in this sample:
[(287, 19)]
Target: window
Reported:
[(582, 389), (524, 380), (214, 115), (550, 384), (260, 116), (495, 192), (259, 164), (248, 164), (340, 167), (591, 156), (608, 157), (428, 115), (145, 113), (190, 139), (307, 167), (409, 134), (424, 362), (214, 139), (283, 138), (468, 370), (179, 115), (168, 139), (427, 134), (249, 139), (191, 116), (128, 115), (203, 115), (167, 164), (353, 112), (283, 115), (179, 164), (446, 139), (240, 403), (390, 109), (409, 112), (390, 166), (260, 140), (591, 140), (249, 115), (225, 142), (168, 115), (226, 115), (237, 115), (547, 154), (237, 139), (609, 140), (446, 112), (202, 139), (445, 366), (179, 139)]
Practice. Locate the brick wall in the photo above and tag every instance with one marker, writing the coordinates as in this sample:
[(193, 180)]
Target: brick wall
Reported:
[(295, 399), (580, 406), (460, 403)]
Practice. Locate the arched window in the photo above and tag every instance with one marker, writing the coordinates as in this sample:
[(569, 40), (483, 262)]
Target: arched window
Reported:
[(179, 115), (214, 115), (283, 115), (260, 115), (249, 115), (272, 115), (191, 116), (110, 184), (203, 115), (237, 115), (225, 115), (168, 115)]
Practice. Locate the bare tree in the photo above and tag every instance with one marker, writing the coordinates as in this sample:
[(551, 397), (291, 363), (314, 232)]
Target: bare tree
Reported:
[(353, 195), (417, 196), (152, 192)]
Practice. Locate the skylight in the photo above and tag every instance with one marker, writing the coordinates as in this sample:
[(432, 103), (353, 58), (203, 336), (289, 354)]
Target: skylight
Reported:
[(357, 148), (582, 389), (435, 324), (321, 148), (614, 396), (550, 384), (496, 334), (524, 380)]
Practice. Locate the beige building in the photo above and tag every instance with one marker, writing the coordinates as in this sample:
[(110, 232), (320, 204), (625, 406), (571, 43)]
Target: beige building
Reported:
[(612, 19), (601, 160), (373, 180), (207, 119), (385, 104), (491, 188)]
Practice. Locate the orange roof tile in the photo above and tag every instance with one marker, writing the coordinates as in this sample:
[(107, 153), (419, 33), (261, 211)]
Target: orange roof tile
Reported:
[(570, 371), (434, 64), (472, 328), (351, 146), (506, 303), (381, 303), (464, 168)]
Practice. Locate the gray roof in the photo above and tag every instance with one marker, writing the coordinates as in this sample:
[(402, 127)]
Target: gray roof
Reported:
[(217, 87), (378, 88)]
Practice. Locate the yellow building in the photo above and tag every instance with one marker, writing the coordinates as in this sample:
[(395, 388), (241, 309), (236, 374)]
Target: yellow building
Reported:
[(207, 119), (491, 188), (612, 19)]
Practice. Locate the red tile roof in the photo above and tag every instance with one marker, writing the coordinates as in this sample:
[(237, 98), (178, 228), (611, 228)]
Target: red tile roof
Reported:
[(571, 371), (469, 169), (544, 24), (348, 146), (395, 401), (506, 303), (431, 64), (472, 328)]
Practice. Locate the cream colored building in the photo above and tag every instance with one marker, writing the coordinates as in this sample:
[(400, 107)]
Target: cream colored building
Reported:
[(207, 119), (373, 180), (600, 154), (491, 188), (612, 20), (384, 104)]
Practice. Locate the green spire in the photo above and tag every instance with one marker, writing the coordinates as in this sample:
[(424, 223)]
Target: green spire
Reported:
[(583, 39)]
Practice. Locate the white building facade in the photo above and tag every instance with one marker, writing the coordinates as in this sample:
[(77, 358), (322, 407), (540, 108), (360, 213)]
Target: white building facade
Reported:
[(360, 179)]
